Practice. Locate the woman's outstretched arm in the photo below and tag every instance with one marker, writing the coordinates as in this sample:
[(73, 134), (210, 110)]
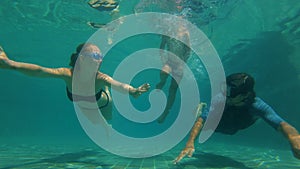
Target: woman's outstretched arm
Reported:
[(123, 87), (32, 69)]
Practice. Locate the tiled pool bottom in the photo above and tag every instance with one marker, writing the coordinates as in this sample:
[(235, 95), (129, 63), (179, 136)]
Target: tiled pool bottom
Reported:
[(213, 156)]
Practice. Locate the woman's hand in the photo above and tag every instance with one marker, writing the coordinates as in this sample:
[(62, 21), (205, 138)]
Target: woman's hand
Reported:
[(3, 59), (140, 90), (2, 53)]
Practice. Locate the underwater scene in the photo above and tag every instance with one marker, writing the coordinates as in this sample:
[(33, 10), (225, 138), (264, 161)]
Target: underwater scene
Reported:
[(150, 84)]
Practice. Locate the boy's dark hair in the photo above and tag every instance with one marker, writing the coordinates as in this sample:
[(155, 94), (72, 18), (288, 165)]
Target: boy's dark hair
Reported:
[(241, 84)]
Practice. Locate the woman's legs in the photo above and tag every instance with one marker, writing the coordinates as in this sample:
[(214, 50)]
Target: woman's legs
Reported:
[(164, 74), (177, 76)]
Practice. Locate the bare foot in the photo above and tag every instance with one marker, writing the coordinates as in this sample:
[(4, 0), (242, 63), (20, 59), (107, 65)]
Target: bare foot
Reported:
[(95, 25), (91, 2)]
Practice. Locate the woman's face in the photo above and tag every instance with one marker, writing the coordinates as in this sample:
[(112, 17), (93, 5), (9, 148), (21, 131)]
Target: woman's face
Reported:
[(90, 59), (91, 54)]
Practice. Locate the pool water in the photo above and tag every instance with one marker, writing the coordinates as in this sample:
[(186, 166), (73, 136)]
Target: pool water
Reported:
[(38, 124)]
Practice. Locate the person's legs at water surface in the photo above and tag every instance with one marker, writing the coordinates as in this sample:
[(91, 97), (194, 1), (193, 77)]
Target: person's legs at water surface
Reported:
[(176, 79)]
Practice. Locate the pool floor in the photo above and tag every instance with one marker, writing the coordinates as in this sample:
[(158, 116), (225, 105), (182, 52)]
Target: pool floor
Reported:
[(211, 156)]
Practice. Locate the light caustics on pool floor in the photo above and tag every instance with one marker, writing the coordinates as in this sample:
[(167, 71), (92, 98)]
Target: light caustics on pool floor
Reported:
[(210, 156)]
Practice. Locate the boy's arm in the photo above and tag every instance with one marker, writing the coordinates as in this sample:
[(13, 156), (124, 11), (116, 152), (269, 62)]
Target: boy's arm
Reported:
[(189, 147), (293, 137)]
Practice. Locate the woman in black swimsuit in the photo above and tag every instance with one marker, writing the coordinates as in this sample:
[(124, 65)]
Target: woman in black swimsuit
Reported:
[(86, 55)]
